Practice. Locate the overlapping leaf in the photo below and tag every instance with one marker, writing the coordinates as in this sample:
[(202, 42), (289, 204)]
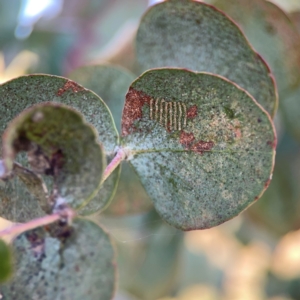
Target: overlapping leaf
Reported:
[(272, 34), (203, 148), (194, 35), (279, 207), (60, 144), (22, 92), (111, 83), (23, 195), (74, 262)]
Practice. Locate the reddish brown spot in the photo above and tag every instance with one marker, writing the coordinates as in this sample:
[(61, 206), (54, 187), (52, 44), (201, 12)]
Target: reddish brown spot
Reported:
[(133, 109), (189, 143), (202, 146), (186, 139), (192, 112), (256, 198), (267, 183), (272, 144), (238, 133), (70, 85)]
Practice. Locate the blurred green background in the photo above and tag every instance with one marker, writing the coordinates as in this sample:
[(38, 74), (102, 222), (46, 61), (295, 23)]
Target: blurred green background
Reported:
[(255, 256)]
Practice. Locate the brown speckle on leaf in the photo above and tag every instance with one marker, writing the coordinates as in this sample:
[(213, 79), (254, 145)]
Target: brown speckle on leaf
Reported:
[(192, 112), (202, 146), (133, 109), (186, 139), (189, 143), (267, 183), (272, 144), (70, 85), (238, 133)]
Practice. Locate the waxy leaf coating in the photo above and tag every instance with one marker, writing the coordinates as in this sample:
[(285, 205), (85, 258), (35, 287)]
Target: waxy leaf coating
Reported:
[(60, 144), (203, 148), (194, 35), (74, 262), (21, 93), (272, 34), (111, 83)]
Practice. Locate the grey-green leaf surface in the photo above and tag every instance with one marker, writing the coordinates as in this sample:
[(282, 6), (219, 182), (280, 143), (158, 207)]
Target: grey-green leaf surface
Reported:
[(272, 34), (5, 261), (279, 208), (295, 17), (158, 271), (290, 108), (59, 143), (71, 263), (194, 35), (130, 197), (22, 92), (17, 203), (203, 148), (23, 195), (111, 83), (34, 183)]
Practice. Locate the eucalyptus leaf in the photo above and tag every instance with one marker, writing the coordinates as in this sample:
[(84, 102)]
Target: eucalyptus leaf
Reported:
[(74, 262), (58, 143), (160, 267), (130, 197), (203, 147), (34, 183), (22, 92), (111, 84), (279, 208), (5, 261), (290, 108), (23, 195), (272, 34), (194, 35), (295, 17)]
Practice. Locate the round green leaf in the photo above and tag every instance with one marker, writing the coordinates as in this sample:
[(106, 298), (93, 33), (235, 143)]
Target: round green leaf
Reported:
[(5, 261), (203, 148), (23, 195), (60, 144), (194, 35), (130, 197), (272, 34), (279, 208), (22, 92), (290, 108), (111, 84), (70, 263), (159, 269)]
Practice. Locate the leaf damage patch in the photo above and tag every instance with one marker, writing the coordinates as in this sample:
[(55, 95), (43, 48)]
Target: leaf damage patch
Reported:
[(189, 143), (135, 100), (192, 112), (70, 85)]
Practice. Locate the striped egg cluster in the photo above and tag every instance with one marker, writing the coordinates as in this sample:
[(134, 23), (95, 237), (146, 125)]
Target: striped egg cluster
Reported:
[(171, 115)]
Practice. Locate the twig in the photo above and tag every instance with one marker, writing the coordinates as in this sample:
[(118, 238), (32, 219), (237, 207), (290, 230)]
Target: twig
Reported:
[(121, 155), (48, 219)]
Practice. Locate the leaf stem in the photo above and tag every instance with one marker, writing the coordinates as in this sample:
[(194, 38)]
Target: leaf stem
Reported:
[(121, 155), (48, 219)]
